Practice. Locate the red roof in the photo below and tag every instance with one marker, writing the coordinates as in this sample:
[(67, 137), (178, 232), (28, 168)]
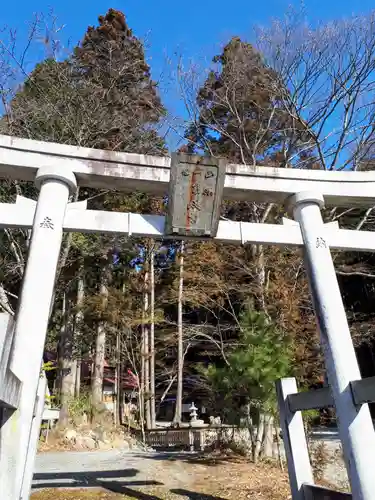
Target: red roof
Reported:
[(128, 379)]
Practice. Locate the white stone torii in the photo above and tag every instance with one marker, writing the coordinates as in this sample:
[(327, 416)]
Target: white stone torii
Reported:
[(56, 170)]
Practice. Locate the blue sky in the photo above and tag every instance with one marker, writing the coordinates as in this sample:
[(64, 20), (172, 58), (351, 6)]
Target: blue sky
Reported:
[(195, 29)]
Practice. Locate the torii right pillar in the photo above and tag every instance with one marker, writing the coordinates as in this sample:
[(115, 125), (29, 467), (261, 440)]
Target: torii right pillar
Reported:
[(355, 425)]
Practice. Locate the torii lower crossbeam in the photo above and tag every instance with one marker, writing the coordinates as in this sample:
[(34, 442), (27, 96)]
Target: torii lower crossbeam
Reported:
[(79, 220)]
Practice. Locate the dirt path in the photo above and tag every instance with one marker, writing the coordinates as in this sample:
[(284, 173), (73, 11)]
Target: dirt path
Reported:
[(154, 476), (88, 469)]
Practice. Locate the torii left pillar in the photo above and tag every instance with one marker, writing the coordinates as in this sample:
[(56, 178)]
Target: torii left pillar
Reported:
[(56, 184)]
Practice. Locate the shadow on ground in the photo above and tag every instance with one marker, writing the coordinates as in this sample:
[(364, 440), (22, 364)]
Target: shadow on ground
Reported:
[(192, 458), (195, 496), (111, 480)]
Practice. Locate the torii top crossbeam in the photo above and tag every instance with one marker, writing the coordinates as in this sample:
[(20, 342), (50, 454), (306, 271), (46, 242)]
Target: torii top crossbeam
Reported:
[(57, 169), (21, 158)]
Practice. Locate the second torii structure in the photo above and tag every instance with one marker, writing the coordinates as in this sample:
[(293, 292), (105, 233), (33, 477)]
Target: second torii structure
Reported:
[(195, 186)]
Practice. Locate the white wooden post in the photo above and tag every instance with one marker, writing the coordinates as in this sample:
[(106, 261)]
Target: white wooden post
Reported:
[(55, 183), (354, 422), (296, 451)]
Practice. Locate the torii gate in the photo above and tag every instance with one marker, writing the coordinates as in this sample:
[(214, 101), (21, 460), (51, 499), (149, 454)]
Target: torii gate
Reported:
[(58, 169)]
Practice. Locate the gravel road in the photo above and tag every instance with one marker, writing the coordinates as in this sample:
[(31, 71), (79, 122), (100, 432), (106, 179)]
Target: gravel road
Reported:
[(119, 470), (122, 468)]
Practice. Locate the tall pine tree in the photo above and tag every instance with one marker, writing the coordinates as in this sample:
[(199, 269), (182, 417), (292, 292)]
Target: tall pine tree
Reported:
[(241, 110), (101, 96), (241, 116)]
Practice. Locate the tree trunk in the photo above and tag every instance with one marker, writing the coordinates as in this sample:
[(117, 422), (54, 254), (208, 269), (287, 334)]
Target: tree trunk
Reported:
[(116, 403), (78, 324), (259, 438), (74, 377), (141, 415), (141, 388), (152, 342), (165, 393), (250, 426), (66, 375), (268, 436), (147, 354), (180, 345), (77, 390), (98, 371), (257, 254), (279, 457), (260, 277), (120, 397)]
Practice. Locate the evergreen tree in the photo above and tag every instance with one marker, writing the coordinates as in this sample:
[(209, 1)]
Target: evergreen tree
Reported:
[(241, 110), (263, 355), (244, 387), (111, 61), (101, 96)]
